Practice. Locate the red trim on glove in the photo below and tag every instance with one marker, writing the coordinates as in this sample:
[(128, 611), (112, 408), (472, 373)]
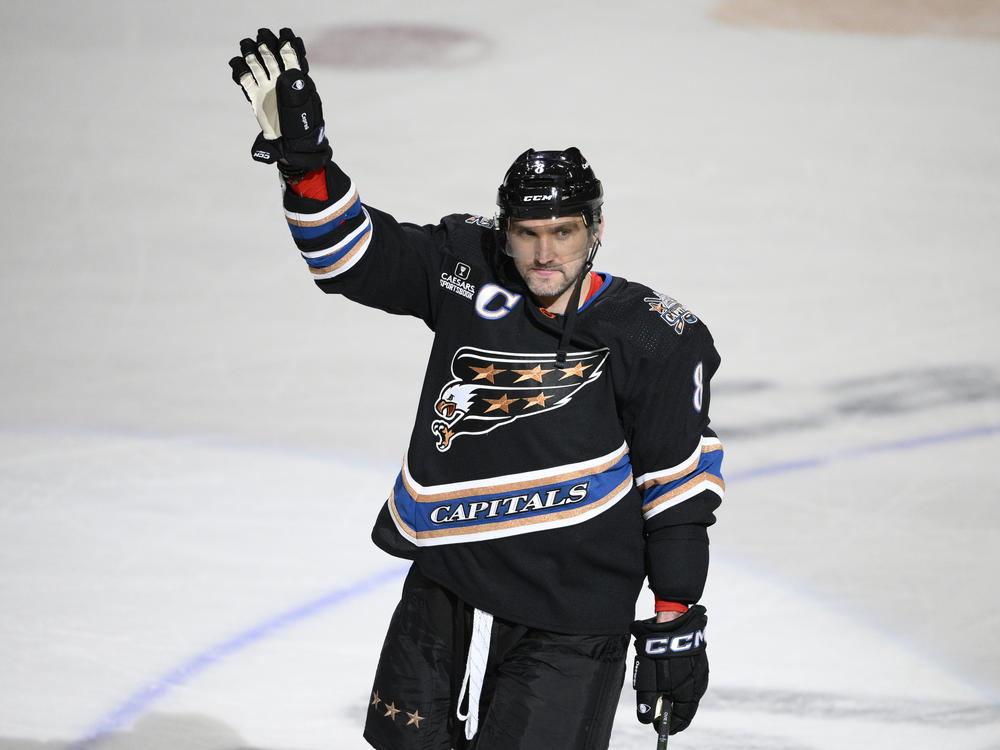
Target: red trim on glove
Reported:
[(662, 606), (313, 185)]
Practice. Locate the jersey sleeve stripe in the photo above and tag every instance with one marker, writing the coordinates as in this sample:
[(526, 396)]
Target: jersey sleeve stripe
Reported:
[(706, 445), (344, 259), (318, 229), (327, 255), (664, 502), (706, 476), (323, 216)]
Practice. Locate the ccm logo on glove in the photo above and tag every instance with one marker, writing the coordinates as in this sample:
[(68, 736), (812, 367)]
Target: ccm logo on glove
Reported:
[(676, 645)]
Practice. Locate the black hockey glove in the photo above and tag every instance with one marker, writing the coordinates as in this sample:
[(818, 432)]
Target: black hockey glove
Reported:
[(273, 73), (671, 664)]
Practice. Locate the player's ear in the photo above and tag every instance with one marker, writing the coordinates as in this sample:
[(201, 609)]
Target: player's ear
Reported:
[(600, 228)]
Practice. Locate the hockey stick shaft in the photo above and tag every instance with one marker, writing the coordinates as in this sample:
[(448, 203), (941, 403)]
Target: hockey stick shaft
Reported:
[(663, 711)]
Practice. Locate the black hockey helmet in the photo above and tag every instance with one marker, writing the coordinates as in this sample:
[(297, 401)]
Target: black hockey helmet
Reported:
[(549, 184)]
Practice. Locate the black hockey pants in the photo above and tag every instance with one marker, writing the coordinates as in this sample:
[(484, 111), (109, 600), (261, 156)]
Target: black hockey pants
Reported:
[(541, 690)]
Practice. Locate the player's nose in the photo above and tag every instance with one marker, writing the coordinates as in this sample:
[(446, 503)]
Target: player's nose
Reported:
[(545, 251)]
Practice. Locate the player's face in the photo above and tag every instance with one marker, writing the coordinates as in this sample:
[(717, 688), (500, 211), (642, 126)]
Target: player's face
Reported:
[(550, 255)]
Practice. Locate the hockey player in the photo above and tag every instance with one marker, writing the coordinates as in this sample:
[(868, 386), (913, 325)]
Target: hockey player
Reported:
[(561, 452)]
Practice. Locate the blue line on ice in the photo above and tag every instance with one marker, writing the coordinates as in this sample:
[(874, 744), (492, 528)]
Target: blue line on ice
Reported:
[(894, 446), (142, 699), (139, 701)]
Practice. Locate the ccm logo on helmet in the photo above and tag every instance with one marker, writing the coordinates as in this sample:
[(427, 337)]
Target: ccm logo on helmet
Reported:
[(529, 198), (678, 644)]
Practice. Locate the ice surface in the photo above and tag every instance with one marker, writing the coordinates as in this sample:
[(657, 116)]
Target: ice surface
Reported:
[(194, 441)]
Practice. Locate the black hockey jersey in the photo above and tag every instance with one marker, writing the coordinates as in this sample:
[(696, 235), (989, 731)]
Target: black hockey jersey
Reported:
[(539, 491)]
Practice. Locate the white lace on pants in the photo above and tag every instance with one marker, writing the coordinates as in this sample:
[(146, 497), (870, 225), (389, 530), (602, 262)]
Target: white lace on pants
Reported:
[(475, 668)]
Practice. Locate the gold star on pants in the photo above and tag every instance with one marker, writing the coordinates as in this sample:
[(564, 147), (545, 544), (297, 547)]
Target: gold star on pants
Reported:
[(375, 699), (391, 710), (415, 718)]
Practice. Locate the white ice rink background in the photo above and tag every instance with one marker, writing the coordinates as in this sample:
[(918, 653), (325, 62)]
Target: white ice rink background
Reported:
[(194, 441)]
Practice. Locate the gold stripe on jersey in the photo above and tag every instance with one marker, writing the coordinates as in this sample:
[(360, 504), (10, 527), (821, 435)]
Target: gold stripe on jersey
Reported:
[(707, 444), (689, 489), (528, 524), (346, 260), (325, 216), (510, 482)]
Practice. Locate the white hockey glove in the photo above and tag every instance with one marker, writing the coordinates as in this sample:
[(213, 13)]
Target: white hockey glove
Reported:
[(273, 74)]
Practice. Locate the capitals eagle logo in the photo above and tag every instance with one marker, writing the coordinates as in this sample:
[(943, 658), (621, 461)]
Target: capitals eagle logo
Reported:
[(490, 389)]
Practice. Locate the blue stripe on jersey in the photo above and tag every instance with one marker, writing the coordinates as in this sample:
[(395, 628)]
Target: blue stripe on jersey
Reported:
[(531, 507), (329, 260), (607, 277), (308, 233), (710, 464)]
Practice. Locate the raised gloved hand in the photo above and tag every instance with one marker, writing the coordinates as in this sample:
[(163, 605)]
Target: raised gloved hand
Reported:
[(273, 73), (671, 664)]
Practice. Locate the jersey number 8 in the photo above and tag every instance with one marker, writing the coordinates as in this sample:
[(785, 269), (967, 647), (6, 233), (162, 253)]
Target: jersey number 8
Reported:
[(699, 387)]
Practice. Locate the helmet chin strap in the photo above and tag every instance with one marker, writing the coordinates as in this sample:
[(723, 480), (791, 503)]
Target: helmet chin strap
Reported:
[(569, 320), (593, 252)]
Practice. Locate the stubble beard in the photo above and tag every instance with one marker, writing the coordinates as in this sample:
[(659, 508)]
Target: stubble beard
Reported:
[(554, 287), (549, 288)]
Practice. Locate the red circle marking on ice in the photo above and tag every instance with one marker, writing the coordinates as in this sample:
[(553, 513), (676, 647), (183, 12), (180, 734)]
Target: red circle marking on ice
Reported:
[(393, 46)]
